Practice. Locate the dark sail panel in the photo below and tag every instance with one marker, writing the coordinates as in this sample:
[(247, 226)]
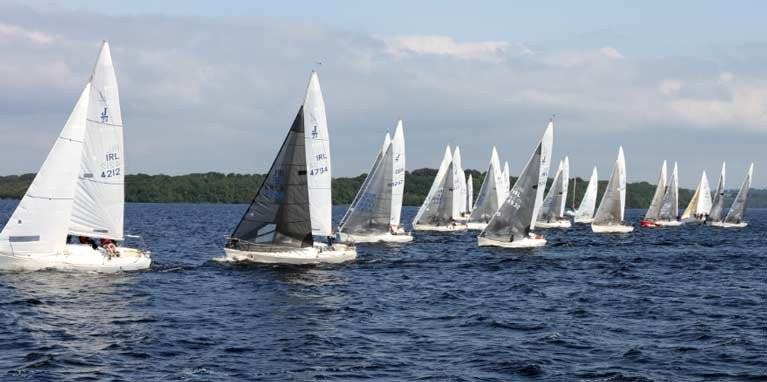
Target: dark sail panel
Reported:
[(487, 201), (279, 213), (609, 212), (553, 201), (370, 211), (512, 221)]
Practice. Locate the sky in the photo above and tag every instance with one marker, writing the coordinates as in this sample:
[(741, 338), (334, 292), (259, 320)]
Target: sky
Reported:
[(214, 86)]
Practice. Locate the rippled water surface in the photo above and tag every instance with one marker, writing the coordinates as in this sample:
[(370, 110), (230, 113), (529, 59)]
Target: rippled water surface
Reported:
[(664, 305)]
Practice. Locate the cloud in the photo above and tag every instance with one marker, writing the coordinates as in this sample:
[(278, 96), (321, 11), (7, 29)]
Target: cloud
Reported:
[(219, 94), (9, 32), (447, 46)]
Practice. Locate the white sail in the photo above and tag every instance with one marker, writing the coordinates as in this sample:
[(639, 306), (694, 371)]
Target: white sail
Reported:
[(469, 194), (435, 190), (669, 208), (398, 179), (99, 200), (612, 207), (459, 185), (39, 223), (547, 143), (491, 192), (585, 211), (700, 204), (565, 186), (550, 207), (738, 209), (657, 198), (317, 141), (506, 180)]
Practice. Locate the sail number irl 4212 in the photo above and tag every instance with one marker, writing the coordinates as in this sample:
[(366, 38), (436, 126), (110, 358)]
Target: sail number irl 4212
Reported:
[(112, 166)]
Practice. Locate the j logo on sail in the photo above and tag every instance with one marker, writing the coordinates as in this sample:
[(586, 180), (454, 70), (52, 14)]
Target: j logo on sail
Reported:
[(315, 133), (104, 116)]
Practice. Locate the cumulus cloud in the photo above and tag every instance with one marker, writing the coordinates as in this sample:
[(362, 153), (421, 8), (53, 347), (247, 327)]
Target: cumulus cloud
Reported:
[(9, 32), (447, 46)]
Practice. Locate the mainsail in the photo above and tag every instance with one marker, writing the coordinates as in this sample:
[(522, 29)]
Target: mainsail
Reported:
[(506, 180), (491, 193), (370, 211), (39, 223), (434, 206), (669, 208), (738, 208), (611, 209), (700, 204), (657, 198), (516, 216), (99, 200), (459, 185), (717, 205), (317, 141), (589, 202), (398, 177), (548, 142)]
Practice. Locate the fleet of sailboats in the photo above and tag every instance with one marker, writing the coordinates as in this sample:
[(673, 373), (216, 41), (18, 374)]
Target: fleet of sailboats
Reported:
[(78, 193)]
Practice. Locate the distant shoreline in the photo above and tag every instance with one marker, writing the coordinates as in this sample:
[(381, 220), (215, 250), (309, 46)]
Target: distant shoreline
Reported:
[(219, 188)]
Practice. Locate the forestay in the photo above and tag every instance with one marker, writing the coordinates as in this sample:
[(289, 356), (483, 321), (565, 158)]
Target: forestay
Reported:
[(99, 199), (39, 223), (516, 216), (738, 208), (657, 199), (611, 209)]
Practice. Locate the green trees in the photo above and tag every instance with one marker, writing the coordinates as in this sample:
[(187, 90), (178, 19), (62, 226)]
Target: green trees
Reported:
[(214, 187)]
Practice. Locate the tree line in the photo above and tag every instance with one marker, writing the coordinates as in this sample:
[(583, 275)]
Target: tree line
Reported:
[(215, 187)]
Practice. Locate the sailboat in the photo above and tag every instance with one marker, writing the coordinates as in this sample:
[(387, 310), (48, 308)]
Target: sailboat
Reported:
[(700, 204), (668, 214), (717, 205), (374, 214), (610, 214), (552, 210), (459, 187), (491, 194), (438, 211), (734, 218), (585, 212), (292, 208), (511, 225), (78, 192), (657, 199)]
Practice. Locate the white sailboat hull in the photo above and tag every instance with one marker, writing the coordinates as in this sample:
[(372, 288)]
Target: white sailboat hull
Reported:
[(377, 238), (616, 228), (78, 258), (274, 254), (524, 243), (476, 226), (440, 228), (668, 223), (728, 225), (555, 224), (580, 221)]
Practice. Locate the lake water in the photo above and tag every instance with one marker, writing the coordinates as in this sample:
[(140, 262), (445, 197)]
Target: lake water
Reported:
[(657, 305)]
